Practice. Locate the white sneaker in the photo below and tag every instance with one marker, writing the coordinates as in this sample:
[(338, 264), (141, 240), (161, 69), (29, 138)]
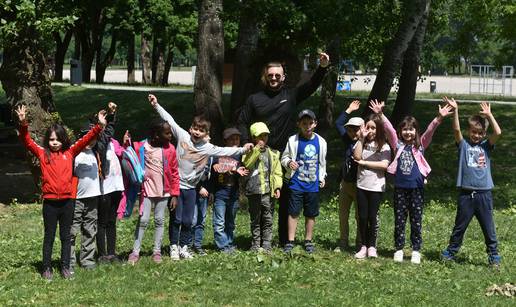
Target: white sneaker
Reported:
[(174, 252), (416, 257), (398, 256), (184, 253), (362, 253), (371, 252)]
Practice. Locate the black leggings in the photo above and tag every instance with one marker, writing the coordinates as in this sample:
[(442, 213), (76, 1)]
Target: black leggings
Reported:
[(368, 206), (106, 233), (57, 211)]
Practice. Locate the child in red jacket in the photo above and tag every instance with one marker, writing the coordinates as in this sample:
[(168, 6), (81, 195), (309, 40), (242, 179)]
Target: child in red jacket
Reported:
[(160, 184), (56, 163)]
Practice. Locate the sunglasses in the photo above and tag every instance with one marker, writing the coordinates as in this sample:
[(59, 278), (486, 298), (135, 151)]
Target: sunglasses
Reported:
[(274, 76)]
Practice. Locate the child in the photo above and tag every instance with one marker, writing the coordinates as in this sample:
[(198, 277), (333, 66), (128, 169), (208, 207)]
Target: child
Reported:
[(201, 208), (474, 180), (224, 182), (372, 154), (193, 151), (410, 169), (263, 182), (56, 158), (161, 183), (348, 176), (304, 158), (111, 189)]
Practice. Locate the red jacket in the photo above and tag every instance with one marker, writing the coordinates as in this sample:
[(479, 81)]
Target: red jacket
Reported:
[(170, 168), (57, 172)]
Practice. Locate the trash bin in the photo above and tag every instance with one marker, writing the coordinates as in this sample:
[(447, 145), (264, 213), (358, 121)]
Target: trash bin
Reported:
[(75, 72), (433, 86)]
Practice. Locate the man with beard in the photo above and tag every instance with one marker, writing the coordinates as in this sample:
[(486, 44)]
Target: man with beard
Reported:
[(276, 106)]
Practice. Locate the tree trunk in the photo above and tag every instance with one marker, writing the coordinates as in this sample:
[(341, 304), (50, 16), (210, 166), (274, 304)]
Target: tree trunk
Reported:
[(168, 65), (131, 78), (328, 90), (25, 80), (103, 63), (409, 74), (210, 64), (393, 54), (247, 43), (158, 64), (146, 60), (59, 55)]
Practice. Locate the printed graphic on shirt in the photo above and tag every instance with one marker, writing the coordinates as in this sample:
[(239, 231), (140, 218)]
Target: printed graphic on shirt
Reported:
[(307, 171), (227, 164), (476, 157), (406, 162), (192, 155)]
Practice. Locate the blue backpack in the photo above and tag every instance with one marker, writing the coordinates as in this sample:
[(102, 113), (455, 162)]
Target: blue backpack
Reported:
[(132, 167)]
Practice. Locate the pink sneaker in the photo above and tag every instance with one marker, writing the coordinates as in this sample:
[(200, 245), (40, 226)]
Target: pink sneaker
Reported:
[(371, 252), (133, 258), (156, 257), (362, 253)]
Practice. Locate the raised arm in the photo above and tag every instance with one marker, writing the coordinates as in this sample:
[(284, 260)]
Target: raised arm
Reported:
[(81, 143), (24, 136), (306, 89), (177, 131), (426, 138), (343, 118), (455, 124), (497, 131), (390, 133)]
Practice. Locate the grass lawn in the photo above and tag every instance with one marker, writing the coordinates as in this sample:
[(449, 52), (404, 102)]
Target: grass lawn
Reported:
[(326, 278)]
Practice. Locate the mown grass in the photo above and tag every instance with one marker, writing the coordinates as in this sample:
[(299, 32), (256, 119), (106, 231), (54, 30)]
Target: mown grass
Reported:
[(249, 279)]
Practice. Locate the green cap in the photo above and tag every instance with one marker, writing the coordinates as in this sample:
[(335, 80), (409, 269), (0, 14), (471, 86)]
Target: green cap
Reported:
[(258, 128)]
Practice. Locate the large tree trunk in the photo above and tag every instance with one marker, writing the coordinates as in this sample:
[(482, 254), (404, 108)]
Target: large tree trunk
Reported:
[(210, 64), (409, 74), (59, 55), (168, 65), (103, 63), (131, 78), (248, 35), (158, 64), (146, 60), (328, 90), (25, 80), (393, 54)]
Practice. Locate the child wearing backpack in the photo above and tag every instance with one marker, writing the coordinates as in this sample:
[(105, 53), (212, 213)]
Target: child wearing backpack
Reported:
[(194, 150), (161, 183), (410, 169), (56, 158)]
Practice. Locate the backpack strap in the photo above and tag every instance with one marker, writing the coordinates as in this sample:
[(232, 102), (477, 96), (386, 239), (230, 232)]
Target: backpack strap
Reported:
[(141, 153)]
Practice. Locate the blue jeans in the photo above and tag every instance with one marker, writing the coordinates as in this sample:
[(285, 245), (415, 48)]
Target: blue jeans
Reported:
[(199, 220), (181, 218), (480, 205), (224, 214)]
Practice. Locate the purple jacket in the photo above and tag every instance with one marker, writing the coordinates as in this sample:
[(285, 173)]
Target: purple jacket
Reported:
[(396, 144)]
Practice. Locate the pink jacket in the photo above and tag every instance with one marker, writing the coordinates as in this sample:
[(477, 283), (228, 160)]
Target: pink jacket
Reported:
[(426, 138)]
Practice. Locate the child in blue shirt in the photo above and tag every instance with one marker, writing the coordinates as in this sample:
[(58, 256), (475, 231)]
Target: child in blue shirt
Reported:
[(474, 181), (305, 160)]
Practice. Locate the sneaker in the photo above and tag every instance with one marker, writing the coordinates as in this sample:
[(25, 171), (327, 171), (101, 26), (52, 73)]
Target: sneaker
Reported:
[(184, 253), (362, 253), (199, 251), (416, 257), (66, 274), (288, 247), (47, 274), (494, 260), (398, 256), (103, 260), (133, 258), (114, 259), (309, 246), (174, 252), (156, 257), (446, 255), (229, 250), (371, 252)]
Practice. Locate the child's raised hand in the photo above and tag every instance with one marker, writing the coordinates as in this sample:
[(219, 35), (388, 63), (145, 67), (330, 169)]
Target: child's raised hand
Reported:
[(324, 59), (248, 147), (112, 107), (445, 111), (153, 100), (102, 118), (242, 171), (376, 106), (21, 112), (363, 132), (485, 109), (353, 106), (127, 138), (451, 102)]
